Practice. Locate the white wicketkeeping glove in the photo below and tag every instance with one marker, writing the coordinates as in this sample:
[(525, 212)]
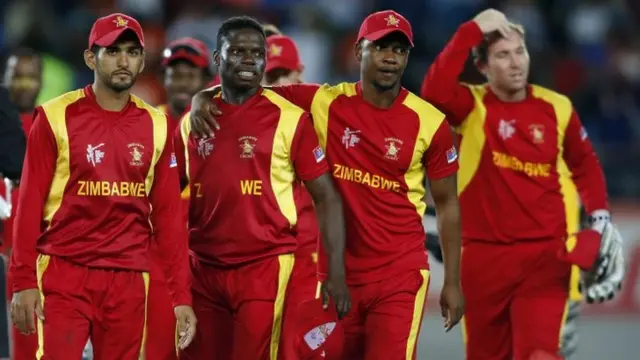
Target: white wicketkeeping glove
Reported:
[(605, 279)]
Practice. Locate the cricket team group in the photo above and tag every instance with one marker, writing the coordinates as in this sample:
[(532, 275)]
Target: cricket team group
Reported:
[(257, 217)]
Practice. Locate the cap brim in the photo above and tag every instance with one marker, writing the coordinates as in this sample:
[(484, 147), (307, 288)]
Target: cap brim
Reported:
[(377, 35), (111, 37), (276, 64), (196, 60)]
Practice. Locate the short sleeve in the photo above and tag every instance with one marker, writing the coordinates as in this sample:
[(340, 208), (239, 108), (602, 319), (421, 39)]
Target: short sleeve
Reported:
[(441, 157), (306, 154)]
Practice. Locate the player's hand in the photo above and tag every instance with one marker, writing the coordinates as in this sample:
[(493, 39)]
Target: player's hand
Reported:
[(25, 305), (451, 305), (203, 115), (492, 20), (186, 325), (335, 287)]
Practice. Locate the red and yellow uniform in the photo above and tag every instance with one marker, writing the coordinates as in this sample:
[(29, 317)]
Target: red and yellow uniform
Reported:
[(85, 227), (243, 221), (379, 158), (515, 199)]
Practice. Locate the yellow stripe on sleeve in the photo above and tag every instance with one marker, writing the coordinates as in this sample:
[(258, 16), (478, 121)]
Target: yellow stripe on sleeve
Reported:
[(473, 139), (322, 102), (160, 133), (282, 172), (185, 131), (56, 110), (430, 120)]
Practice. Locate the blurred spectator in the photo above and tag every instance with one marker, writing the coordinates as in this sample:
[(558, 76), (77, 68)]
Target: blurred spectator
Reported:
[(12, 139)]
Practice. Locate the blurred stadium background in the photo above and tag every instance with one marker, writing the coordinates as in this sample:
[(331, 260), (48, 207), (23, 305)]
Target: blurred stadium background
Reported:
[(587, 49)]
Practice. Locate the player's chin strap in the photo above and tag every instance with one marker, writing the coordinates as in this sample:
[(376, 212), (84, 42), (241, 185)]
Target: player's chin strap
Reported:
[(605, 279)]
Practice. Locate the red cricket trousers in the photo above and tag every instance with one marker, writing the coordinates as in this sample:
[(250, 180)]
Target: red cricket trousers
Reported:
[(78, 301), (385, 318), (302, 287), (239, 310), (516, 298), (161, 323)]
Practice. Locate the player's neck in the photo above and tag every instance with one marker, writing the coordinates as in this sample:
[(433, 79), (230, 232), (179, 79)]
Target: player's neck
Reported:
[(175, 113), (380, 98), (109, 99), (509, 96), (234, 96)]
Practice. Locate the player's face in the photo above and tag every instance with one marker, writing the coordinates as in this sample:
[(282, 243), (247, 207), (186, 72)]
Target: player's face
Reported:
[(382, 62), (117, 66), (293, 77), (241, 59), (507, 65), (183, 80), (23, 78)]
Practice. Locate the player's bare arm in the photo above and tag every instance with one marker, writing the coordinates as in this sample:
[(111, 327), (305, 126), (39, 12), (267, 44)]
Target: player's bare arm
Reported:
[(444, 193), (203, 112), (330, 215)]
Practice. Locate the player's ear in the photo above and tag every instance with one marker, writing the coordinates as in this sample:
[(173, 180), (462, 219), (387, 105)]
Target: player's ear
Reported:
[(358, 50), (481, 66), (143, 63), (216, 58), (90, 59)]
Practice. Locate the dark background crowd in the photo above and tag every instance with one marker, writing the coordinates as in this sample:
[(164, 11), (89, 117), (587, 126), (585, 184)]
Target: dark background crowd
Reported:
[(587, 49)]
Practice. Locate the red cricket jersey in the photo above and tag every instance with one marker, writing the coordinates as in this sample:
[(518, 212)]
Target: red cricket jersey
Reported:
[(245, 182), (7, 232), (93, 177), (378, 159), (515, 157)]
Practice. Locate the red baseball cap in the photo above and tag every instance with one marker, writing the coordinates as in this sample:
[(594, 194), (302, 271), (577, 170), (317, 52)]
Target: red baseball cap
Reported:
[(282, 52), (382, 23), (189, 49), (106, 30), (319, 334)]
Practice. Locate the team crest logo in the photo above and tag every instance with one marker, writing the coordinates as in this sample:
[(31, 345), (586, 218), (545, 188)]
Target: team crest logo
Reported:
[(392, 20), (120, 21), (537, 133), (275, 50), (136, 151), (393, 148), (247, 146)]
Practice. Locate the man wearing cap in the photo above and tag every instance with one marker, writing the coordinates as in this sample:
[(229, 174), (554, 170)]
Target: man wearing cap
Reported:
[(243, 224), (98, 160), (380, 141), (186, 71)]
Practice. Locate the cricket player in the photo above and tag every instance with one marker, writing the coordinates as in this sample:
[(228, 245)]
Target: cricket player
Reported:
[(186, 71), (518, 144), (23, 79), (284, 67), (243, 218), (98, 160), (380, 141)]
